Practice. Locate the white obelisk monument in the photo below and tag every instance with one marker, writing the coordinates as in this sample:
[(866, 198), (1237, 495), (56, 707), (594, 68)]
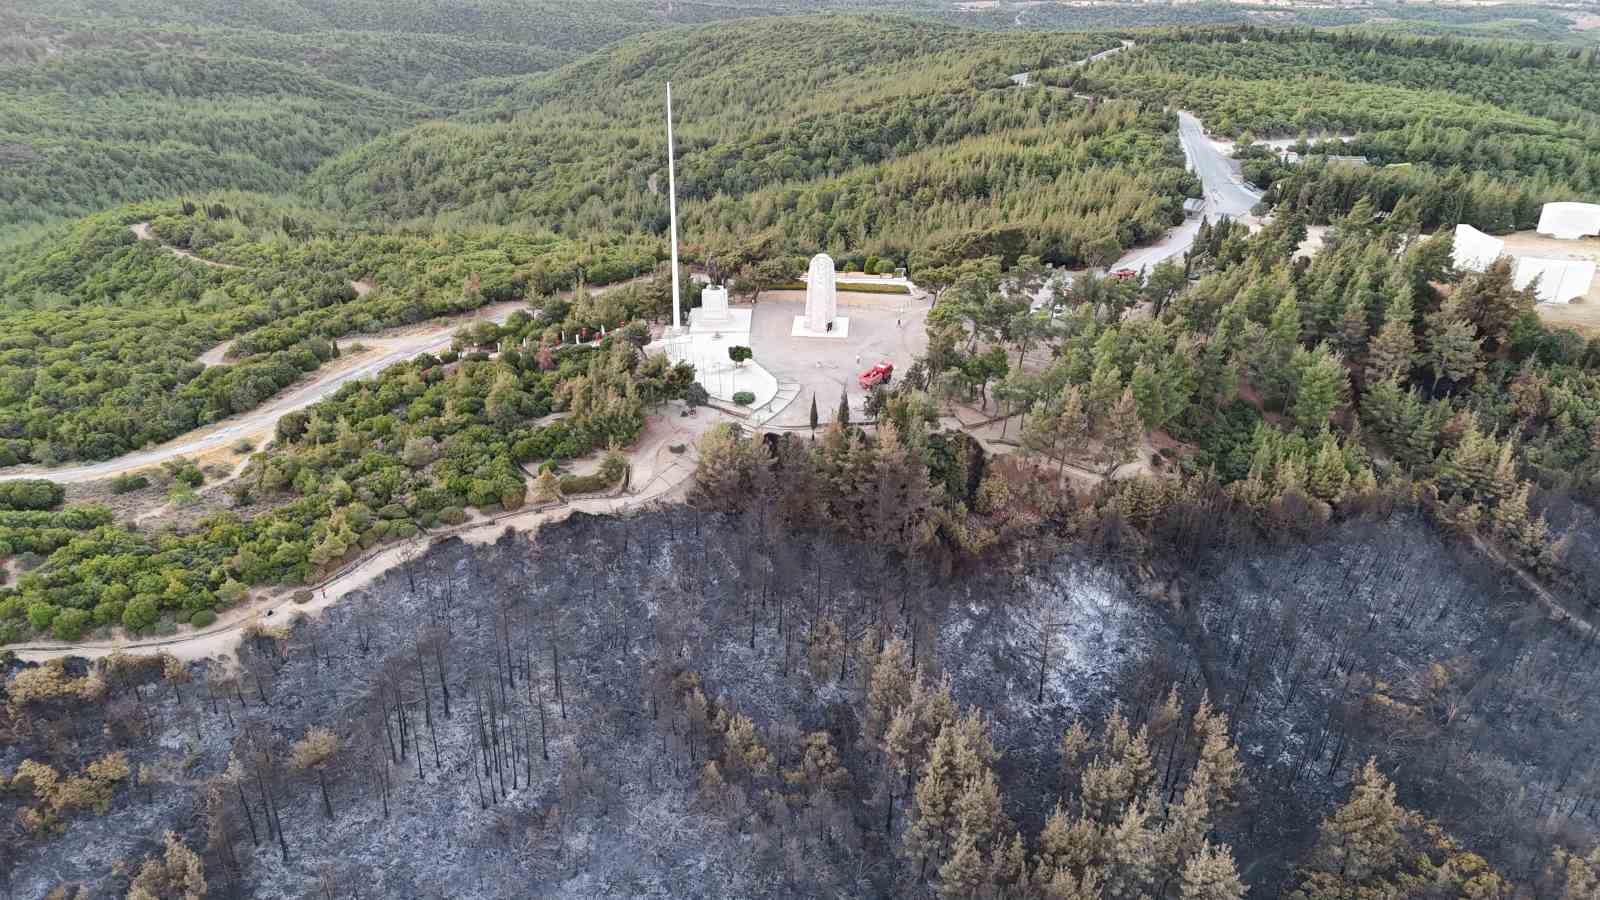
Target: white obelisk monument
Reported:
[(821, 317), (672, 211)]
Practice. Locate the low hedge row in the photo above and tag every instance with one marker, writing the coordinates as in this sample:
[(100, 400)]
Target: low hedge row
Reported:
[(853, 287)]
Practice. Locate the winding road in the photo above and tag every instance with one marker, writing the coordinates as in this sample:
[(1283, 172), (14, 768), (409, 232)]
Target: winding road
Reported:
[(1225, 192)]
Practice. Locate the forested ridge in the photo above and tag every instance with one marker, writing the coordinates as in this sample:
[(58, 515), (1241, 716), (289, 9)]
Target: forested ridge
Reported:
[(1481, 132), (873, 136), (108, 101)]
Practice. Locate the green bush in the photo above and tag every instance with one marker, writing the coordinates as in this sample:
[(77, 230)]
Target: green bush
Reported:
[(744, 398), (126, 482), (31, 493), (70, 624), (140, 614), (867, 287), (202, 618), (695, 395), (604, 479), (185, 472)]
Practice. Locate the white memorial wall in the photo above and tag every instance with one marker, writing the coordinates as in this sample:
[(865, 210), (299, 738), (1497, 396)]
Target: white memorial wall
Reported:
[(1570, 221), (1559, 280)]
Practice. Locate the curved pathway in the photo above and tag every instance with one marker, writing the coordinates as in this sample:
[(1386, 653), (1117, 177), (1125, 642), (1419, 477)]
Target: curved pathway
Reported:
[(383, 352), (658, 474)]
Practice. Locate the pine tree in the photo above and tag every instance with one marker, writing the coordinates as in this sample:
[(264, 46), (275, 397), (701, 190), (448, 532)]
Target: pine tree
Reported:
[(1130, 852), (1393, 351), (1123, 431), (1009, 868), (1211, 875), (1328, 478), (1491, 302), (978, 808), (934, 819), (888, 687), (1322, 386), (965, 873), (547, 487), (843, 415), (814, 412), (1362, 838), (1453, 350), (1353, 327), (1277, 351), (1064, 885), (1219, 758)]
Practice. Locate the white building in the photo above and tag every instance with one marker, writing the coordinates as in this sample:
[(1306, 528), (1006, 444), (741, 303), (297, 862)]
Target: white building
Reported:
[(1474, 250), (1570, 221), (1559, 280)]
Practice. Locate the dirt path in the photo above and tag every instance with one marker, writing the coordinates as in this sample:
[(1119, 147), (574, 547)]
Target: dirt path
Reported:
[(217, 355), (658, 475), (382, 352), (142, 232)]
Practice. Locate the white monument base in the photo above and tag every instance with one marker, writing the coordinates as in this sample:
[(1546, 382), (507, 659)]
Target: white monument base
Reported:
[(715, 372), (733, 321), (841, 329)]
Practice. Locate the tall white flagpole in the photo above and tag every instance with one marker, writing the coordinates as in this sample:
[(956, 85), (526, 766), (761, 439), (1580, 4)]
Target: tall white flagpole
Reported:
[(672, 207)]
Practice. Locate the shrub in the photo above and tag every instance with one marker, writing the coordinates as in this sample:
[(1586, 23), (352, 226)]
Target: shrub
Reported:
[(31, 493), (609, 474), (859, 287), (637, 334), (243, 445), (744, 398), (140, 614), (452, 515), (185, 472), (69, 624), (203, 618), (128, 481), (41, 614), (695, 395), (739, 354)]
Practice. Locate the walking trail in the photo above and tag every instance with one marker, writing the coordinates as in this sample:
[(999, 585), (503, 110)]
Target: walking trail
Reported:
[(658, 475), (382, 351)]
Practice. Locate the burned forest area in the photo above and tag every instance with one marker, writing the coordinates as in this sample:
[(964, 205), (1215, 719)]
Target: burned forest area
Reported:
[(678, 704)]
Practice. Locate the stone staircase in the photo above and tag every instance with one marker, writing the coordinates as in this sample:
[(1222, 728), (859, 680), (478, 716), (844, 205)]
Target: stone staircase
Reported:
[(787, 392)]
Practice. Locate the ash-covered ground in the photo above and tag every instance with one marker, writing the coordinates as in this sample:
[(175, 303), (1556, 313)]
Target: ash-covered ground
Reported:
[(617, 605), (568, 764)]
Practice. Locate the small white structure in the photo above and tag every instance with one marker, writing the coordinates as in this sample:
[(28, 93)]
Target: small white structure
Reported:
[(1474, 250), (1570, 221), (713, 315), (1559, 280), (714, 302), (821, 318)]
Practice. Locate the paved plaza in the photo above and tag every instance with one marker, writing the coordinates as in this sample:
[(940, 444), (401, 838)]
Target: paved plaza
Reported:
[(883, 327)]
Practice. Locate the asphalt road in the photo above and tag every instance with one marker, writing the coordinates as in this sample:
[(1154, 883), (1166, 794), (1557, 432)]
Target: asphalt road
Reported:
[(1224, 191)]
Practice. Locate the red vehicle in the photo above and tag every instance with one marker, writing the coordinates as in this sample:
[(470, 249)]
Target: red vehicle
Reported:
[(1124, 274), (878, 374)]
